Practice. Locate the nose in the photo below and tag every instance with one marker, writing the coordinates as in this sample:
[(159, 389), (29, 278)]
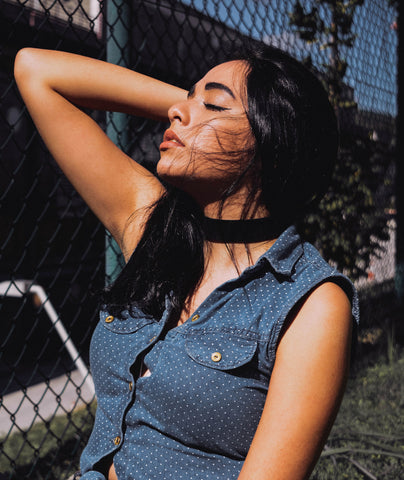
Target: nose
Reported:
[(179, 111)]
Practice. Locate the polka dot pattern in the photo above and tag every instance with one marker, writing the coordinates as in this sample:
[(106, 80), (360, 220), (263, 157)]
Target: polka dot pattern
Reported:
[(194, 417)]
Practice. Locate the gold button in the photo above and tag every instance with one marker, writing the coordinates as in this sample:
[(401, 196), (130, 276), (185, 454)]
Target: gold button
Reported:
[(194, 318), (117, 440), (109, 319), (216, 356), (153, 338), (130, 386)]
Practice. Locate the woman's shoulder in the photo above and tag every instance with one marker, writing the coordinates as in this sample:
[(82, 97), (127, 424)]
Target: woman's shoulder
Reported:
[(301, 269), (332, 286)]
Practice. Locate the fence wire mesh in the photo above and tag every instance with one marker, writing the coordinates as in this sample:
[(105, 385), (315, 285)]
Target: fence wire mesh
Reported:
[(54, 254)]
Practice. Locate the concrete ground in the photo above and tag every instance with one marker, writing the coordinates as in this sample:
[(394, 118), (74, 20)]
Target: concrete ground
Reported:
[(21, 409)]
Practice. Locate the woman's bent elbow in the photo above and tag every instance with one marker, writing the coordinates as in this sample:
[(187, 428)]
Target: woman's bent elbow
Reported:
[(27, 66)]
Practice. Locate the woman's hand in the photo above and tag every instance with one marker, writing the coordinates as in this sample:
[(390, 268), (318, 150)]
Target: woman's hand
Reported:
[(305, 390), (112, 184)]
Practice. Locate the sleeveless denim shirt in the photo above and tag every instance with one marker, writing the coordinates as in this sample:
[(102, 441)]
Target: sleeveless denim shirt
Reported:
[(195, 416)]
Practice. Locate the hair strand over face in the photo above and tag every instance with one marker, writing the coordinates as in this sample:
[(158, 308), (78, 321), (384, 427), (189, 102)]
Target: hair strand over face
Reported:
[(289, 169)]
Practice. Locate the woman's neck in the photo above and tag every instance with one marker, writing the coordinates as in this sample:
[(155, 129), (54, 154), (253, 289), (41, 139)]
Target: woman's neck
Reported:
[(252, 231), (233, 243), (233, 209), (234, 258)]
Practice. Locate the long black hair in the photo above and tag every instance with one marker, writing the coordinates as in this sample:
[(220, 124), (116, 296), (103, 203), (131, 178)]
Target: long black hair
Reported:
[(296, 139), (295, 131)]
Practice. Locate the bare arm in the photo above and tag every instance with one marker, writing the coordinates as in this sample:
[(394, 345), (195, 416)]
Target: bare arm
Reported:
[(305, 389), (113, 185)]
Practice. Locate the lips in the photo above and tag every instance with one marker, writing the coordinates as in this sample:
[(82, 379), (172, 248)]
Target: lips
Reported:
[(170, 140)]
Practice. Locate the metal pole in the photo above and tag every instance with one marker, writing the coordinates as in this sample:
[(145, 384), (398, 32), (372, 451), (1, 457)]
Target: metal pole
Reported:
[(18, 289), (117, 44), (64, 336), (399, 277)]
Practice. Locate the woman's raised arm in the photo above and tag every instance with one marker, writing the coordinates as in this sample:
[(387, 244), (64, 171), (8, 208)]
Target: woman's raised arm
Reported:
[(53, 86)]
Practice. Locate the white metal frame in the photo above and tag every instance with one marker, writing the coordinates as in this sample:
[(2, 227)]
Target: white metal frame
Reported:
[(19, 289)]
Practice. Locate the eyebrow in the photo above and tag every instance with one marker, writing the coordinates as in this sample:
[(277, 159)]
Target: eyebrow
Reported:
[(213, 86), (219, 86)]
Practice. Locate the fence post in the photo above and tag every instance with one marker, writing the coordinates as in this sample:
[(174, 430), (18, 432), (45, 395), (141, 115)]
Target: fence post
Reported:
[(399, 277), (118, 52)]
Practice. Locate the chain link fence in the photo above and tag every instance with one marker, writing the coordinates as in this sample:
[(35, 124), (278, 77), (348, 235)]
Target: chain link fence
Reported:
[(55, 256)]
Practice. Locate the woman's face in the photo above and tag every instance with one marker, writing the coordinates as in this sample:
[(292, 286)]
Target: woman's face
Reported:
[(209, 141)]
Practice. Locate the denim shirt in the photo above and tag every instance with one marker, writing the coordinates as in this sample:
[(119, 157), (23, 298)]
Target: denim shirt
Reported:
[(195, 416)]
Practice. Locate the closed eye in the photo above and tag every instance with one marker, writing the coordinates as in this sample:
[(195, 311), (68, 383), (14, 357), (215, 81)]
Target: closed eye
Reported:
[(216, 108)]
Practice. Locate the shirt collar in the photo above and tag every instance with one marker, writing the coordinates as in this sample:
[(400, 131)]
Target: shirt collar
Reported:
[(285, 252)]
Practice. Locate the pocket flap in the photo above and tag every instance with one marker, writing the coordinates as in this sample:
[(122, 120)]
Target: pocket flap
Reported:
[(128, 324), (222, 351)]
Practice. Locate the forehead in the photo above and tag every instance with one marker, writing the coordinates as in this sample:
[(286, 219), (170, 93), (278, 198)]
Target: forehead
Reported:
[(231, 74)]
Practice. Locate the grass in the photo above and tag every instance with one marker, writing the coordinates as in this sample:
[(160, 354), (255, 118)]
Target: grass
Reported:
[(48, 450), (366, 442)]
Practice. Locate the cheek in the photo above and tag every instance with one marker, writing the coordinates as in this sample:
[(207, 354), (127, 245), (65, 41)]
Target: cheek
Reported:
[(230, 139), (217, 151)]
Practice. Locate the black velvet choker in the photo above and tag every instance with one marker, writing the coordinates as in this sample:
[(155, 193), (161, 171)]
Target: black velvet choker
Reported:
[(241, 231)]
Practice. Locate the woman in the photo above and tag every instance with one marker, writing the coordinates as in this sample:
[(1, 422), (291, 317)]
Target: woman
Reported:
[(223, 347)]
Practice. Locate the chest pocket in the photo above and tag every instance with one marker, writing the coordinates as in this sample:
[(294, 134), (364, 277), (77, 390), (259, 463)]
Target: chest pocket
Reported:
[(219, 350)]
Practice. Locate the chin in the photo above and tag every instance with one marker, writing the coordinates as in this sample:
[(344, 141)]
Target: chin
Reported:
[(180, 179), (173, 172), (200, 183)]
